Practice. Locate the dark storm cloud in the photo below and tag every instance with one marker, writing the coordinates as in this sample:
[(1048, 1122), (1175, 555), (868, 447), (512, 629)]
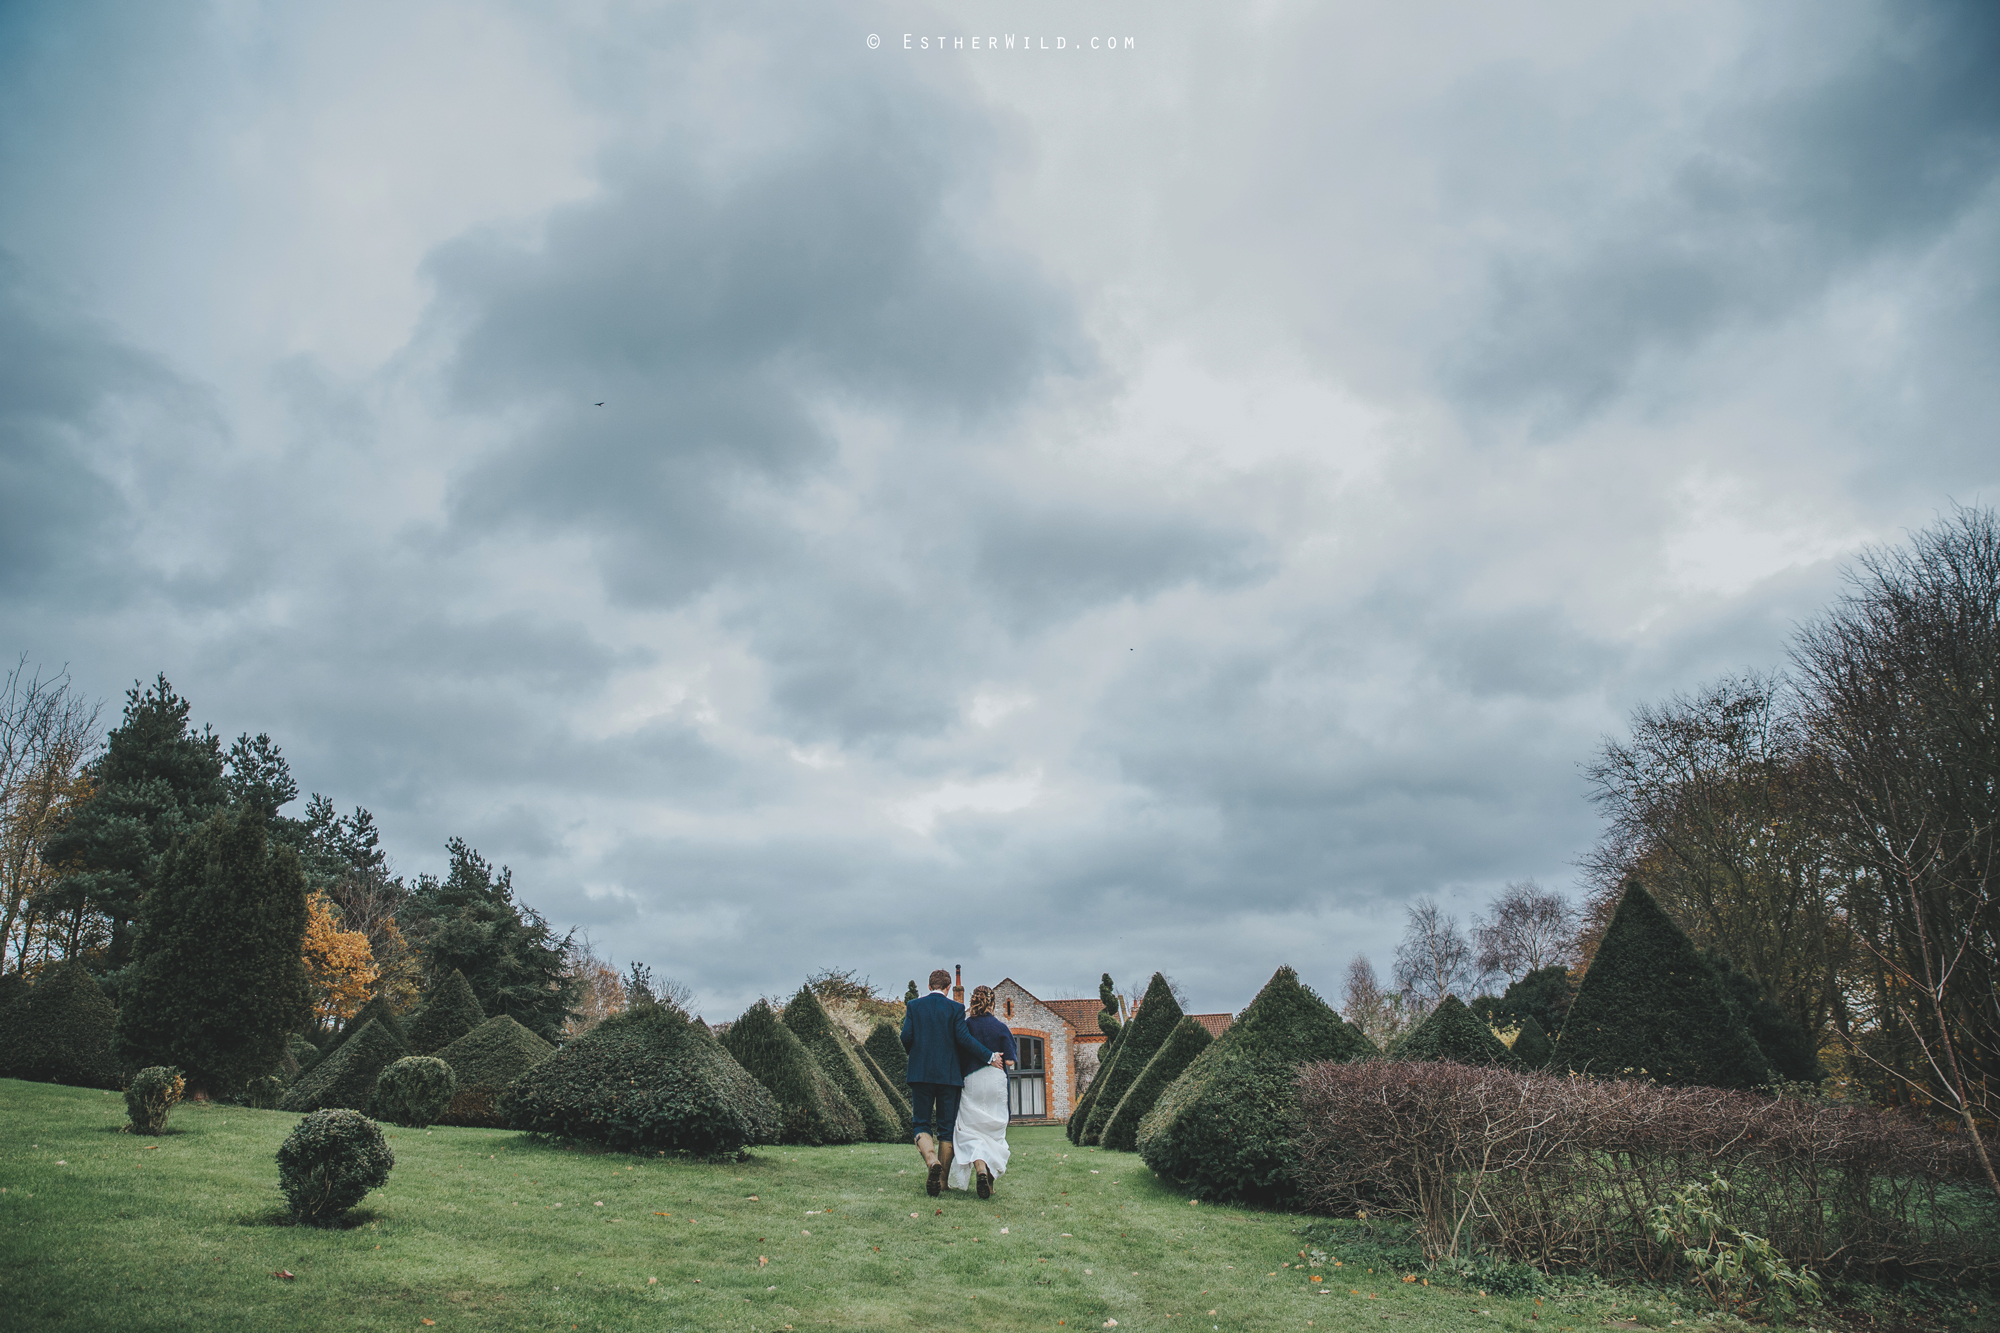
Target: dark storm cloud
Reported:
[(1780, 195), (63, 383), (715, 317)]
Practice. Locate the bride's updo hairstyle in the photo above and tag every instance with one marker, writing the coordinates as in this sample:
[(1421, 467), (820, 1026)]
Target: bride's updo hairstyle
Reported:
[(982, 1002)]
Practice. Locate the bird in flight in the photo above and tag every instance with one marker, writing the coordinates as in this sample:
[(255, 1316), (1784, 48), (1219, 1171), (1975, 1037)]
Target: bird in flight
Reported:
[(600, 404)]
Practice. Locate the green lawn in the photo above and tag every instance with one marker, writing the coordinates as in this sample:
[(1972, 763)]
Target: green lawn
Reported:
[(489, 1229)]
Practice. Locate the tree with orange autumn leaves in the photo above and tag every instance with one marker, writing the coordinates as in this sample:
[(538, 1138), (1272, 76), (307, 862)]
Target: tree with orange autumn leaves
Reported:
[(339, 963)]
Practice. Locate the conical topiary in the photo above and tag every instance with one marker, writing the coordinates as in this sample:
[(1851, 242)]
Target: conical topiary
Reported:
[(1079, 1115), (1188, 1039), (1149, 1029), (1223, 1128), (347, 1077), (376, 1011), (1786, 1046), (485, 1060), (1453, 1032), (1651, 1007), (304, 1052), (64, 1030), (811, 1024), (450, 1011), (899, 1097), (885, 1043), (1532, 1047), (815, 1111), (646, 1078)]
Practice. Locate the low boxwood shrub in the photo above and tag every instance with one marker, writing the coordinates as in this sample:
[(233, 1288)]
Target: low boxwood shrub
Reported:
[(151, 1097), (1558, 1171), (266, 1093), (484, 1061), (330, 1162), (413, 1091), (649, 1078), (1224, 1128)]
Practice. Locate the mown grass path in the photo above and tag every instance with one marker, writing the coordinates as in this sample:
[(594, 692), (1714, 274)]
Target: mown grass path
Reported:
[(485, 1229)]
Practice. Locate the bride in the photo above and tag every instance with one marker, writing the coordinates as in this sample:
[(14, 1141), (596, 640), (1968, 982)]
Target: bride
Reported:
[(979, 1137)]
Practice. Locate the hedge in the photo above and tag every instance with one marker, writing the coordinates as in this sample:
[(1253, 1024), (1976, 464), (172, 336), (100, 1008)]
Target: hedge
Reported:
[(347, 1077), (64, 1030), (1453, 1032), (881, 1122), (885, 1043), (1223, 1128), (485, 1060), (450, 1011), (1146, 1031), (1188, 1040), (815, 1111), (1651, 1006), (648, 1078)]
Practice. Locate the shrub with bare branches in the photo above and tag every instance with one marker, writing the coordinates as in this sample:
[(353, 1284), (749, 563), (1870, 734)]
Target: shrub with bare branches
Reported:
[(1562, 1171)]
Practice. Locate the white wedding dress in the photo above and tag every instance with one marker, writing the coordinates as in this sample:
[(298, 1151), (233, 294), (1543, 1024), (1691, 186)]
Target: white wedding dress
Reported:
[(980, 1133)]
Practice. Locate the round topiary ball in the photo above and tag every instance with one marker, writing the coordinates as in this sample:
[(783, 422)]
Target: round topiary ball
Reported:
[(264, 1093), (330, 1162), (151, 1097), (414, 1091)]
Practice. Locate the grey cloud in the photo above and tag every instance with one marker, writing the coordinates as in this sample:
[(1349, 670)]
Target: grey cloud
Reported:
[(1779, 196)]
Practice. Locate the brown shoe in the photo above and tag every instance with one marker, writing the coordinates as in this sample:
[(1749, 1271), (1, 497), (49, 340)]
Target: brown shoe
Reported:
[(985, 1185), (934, 1181)]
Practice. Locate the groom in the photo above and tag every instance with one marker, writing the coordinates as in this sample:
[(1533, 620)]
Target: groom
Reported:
[(934, 1032)]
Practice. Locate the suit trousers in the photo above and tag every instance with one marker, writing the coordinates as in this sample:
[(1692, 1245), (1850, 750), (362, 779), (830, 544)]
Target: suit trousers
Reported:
[(934, 1109)]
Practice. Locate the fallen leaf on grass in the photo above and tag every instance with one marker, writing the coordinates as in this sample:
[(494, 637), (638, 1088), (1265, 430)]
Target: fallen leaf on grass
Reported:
[(912, 1214), (428, 1323), (762, 1260), (662, 1214), (1003, 1231), (151, 1147), (281, 1273), (652, 1282)]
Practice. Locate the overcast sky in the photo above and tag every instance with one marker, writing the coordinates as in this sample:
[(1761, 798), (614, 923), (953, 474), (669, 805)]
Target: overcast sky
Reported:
[(803, 502)]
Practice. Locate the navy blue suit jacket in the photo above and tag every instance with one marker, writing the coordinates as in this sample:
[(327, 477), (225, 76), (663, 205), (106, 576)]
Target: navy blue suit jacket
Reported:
[(934, 1032)]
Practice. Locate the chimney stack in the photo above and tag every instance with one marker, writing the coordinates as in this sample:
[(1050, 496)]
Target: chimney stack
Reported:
[(958, 982)]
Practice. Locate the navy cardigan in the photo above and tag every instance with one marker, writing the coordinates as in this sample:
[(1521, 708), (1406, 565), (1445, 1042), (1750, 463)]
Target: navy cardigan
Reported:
[(992, 1032)]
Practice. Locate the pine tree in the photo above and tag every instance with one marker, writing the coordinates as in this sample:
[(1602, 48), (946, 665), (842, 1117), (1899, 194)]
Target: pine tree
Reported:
[(514, 962), (815, 1110), (450, 1011), (157, 778), (1650, 1003), (218, 981), (1223, 1128), (812, 1025), (1149, 1029), (1188, 1040), (1453, 1032)]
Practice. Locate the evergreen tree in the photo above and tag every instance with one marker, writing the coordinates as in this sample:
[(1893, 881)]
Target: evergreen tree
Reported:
[(450, 1011), (1532, 1047), (157, 778), (515, 963), (347, 1077), (910, 992), (218, 981), (1149, 1029), (1188, 1039), (1224, 1128), (1649, 1002), (812, 1025), (885, 1043), (1453, 1032), (815, 1110)]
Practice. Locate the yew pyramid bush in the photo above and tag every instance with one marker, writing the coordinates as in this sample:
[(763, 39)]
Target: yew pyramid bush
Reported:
[(809, 1021), (1453, 1032), (450, 1011), (484, 1061), (1145, 1032), (815, 1110), (347, 1077), (1188, 1040)]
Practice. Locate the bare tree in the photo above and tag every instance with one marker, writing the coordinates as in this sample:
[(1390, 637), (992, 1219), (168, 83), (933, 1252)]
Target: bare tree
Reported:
[(1434, 960), (1531, 928), (47, 732), (1381, 1015), (1901, 684)]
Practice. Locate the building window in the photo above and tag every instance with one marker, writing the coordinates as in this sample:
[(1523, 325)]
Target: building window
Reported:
[(1010, 1007), (1027, 1082)]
